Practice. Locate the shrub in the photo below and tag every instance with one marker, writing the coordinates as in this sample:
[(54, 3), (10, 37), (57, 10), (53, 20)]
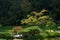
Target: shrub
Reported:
[(5, 35), (36, 18), (50, 25), (58, 27), (32, 34)]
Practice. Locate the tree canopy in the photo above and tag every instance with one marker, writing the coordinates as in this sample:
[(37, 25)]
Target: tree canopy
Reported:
[(12, 11)]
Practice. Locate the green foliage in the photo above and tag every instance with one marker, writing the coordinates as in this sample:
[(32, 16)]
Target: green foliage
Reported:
[(50, 25), (34, 32), (5, 35), (18, 9), (5, 28), (29, 28), (37, 18), (58, 27), (31, 33)]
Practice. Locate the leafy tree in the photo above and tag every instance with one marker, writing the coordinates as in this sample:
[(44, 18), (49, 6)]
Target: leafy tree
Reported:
[(12, 11), (20, 7), (37, 18)]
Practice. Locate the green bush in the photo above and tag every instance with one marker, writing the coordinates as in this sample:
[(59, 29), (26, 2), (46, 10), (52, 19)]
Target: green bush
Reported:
[(58, 27), (50, 25), (36, 19), (5, 35), (31, 33)]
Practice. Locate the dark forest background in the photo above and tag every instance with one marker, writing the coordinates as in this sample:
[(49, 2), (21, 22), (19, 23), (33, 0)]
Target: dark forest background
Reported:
[(12, 11)]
